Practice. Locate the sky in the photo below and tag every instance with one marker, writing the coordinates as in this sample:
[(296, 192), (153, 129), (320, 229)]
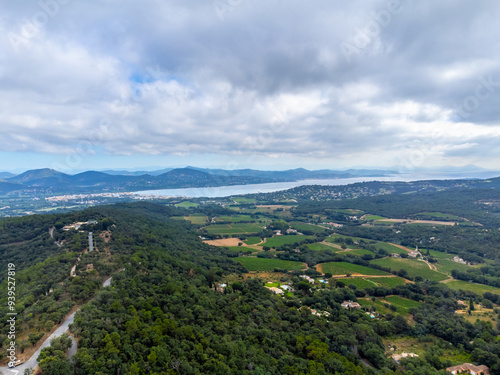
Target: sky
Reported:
[(274, 84)]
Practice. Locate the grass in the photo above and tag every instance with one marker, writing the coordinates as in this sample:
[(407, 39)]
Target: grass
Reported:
[(359, 282), (437, 215), (187, 204), (344, 268), (359, 252), (320, 246), (391, 249), (243, 200), (472, 287), (403, 304), (412, 266), (197, 219), (377, 304), (389, 282), (420, 346), (446, 266), (373, 218), (307, 227), (233, 229), (284, 240), (264, 264), (252, 240), (241, 249), (235, 218)]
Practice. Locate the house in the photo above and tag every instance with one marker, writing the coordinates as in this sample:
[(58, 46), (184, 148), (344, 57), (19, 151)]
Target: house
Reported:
[(457, 259), (220, 287), (90, 267), (350, 305), (286, 287), (415, 253), (396, 255), (275, 290), (291, 231), (307, 278), (469, 368), (398, 357), (277, 232)]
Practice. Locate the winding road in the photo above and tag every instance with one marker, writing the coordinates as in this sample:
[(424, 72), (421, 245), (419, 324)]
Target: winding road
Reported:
[(32, 362)]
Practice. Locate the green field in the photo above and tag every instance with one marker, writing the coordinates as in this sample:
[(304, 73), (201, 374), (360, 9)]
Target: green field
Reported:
[(344, 268), (359, 282), (446, 266), (359, 252), (391, 249), (437, 215), (307, 227), (412, 266), (403, 304), (476, 288), (233, 229), (389, 282), (243, 200), (373, 218), (252, 240), (235, 218), (320, 246), (197, 219), (240, 249), (277, 241), (377, 304), (264, 264), (187, 204)]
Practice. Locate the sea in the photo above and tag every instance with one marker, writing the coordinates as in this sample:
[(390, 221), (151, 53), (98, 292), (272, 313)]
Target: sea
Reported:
[(226, 191)]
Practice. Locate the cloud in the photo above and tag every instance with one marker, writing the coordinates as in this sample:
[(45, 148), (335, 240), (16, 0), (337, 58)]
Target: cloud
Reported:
[(334, 81)]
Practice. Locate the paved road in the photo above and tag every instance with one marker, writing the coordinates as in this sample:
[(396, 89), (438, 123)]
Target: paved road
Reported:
[(32, 362)]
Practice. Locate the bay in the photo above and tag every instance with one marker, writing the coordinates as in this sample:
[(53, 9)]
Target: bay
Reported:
[(226, 191)]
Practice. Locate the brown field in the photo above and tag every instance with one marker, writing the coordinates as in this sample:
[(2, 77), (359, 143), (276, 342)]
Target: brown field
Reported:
[(224, 242)]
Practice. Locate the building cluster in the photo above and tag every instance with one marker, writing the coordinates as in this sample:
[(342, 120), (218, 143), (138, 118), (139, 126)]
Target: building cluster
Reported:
[(469, 368), (350, 305)]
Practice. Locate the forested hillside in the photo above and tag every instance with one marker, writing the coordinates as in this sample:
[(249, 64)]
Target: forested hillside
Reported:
[(177, 305)]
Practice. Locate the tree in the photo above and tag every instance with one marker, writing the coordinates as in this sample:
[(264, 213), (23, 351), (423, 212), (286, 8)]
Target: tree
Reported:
[(471, 305)]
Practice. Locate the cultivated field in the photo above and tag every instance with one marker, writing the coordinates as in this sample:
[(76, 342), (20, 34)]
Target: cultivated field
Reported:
[(476, 288), (277, 241), (344, 268), (264, 264), (233, 229), (412, 266)]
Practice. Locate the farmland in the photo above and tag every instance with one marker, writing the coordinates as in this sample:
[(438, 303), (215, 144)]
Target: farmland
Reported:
[(278, 241), (264, 264), (472, 287), (412, 266), (403, 305), (233, 229), (344, 268)]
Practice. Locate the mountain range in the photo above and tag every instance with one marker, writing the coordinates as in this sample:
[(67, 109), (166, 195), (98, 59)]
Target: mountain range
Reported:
[(52, 181)]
